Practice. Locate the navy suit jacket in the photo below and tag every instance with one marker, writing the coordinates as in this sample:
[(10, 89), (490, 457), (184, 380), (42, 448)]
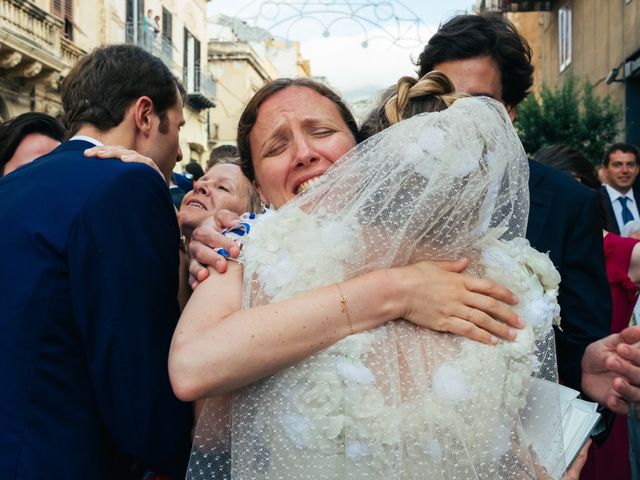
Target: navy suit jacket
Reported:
[(565, 220), (88, 306)]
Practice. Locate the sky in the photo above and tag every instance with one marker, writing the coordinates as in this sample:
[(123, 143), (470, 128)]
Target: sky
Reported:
[(333, 42)]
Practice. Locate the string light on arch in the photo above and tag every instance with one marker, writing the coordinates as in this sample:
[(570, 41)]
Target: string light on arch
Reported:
[(387, 20)]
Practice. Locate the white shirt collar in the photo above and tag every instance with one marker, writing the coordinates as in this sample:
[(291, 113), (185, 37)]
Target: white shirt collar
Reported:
[(614, 194), (85, 138)]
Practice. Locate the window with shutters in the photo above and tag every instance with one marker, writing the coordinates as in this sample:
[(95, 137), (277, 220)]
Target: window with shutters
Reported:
[(564, 36), (191, 62), (64, 10), (134, 11), (167, 32), (167, 24)]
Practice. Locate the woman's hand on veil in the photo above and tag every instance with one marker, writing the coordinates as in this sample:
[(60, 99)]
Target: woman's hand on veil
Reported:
[(436, 295)]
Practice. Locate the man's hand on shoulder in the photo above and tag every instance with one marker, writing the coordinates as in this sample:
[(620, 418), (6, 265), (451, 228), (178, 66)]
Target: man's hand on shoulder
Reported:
[(611, 370)]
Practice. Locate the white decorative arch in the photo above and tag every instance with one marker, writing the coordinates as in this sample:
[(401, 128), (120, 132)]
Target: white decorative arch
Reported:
[(389, 20)]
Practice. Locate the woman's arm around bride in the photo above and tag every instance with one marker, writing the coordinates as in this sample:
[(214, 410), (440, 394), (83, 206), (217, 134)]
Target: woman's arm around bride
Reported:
[(291, 132)]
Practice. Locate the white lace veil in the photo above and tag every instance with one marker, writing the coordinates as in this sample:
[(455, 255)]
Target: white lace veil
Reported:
[(398, 402)]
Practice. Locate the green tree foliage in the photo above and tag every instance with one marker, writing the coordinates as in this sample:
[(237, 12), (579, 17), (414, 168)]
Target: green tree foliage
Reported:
[(571, 115)]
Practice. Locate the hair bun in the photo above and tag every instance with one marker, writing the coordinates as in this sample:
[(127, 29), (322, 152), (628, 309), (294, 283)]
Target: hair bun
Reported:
[(434, 84)]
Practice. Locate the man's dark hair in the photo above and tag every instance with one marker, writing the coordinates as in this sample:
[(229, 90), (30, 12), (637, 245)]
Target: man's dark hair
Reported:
[(569, 160), (103, 85), (13, 131), (572, 162), (221, 154), (194, 169), (624, 148), (468, 36)]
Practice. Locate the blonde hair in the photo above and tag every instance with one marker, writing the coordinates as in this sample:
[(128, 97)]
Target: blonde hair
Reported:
[(410, 96), (435, 88)]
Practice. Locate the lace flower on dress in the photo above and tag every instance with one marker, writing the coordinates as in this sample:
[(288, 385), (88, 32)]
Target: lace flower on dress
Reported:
[(402, 401), (531, 276), (280, 261)]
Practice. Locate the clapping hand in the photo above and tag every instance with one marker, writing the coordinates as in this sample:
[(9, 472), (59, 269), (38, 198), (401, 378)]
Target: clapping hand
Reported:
[(611, 370)]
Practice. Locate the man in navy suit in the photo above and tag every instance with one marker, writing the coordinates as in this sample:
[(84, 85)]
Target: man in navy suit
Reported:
[(620, 164), (89, 283), (485, 55)]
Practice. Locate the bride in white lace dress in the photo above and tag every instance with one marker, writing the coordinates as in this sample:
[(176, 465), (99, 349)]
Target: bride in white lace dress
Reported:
[(326, 341)]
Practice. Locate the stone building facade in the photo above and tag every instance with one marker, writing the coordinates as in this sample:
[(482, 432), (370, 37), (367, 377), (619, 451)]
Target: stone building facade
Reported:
[(242, 58), (40, 40), (594, 40)]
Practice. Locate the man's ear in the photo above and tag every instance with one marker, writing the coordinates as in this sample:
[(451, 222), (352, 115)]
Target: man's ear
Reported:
[(511, 110), (603, 175), (143, 114)]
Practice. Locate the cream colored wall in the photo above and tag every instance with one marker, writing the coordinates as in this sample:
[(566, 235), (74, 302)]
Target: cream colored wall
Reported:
[(101, 22), (194, 133), (116, 17), (43, 4), (529, 25), (240, 69), (287, 58), (604, 34), (90, 18), (186, 13), (237, 82)]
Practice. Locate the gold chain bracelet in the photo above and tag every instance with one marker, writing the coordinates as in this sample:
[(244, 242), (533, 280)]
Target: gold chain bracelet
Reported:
[(344, 308)]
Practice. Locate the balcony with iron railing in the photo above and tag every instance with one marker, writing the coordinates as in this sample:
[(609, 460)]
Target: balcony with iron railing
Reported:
[(32, 43), (200, 87), (31, 24), (155, 43)]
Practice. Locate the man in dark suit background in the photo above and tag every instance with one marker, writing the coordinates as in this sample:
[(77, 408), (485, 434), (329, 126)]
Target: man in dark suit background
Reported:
[(89, 282), (485, 55), (621, 168)]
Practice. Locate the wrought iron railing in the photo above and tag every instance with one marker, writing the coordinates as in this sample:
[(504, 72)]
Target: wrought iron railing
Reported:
[(200, 87), (197, 81), (153, 42)]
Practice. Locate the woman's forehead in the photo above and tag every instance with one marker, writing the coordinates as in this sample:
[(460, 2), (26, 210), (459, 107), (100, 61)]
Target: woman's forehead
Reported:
[(224, 171), (300, 102)]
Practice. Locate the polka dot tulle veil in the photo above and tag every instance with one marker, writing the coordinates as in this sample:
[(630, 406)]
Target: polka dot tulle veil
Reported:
[(398, 402)]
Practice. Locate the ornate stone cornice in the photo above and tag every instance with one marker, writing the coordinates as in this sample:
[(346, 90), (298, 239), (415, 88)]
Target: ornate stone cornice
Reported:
[(10, 59), (30, 37), (28, 69)]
